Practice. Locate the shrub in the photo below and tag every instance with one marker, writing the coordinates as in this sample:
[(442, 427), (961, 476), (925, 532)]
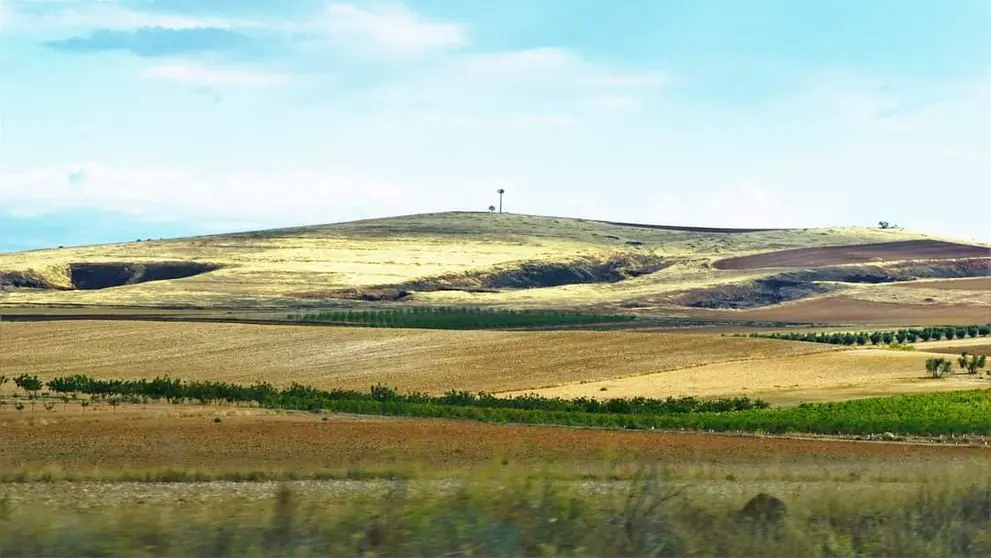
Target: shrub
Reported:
[(938, 367)]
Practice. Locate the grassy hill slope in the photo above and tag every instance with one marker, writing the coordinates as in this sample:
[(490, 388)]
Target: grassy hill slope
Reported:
[(492, 259)]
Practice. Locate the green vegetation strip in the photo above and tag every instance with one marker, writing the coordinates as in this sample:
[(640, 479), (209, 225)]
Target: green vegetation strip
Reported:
[(955, 413), (456, 318), (883, 337)]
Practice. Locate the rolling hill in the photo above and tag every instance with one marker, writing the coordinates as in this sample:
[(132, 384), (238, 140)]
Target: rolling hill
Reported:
[(521, 261)]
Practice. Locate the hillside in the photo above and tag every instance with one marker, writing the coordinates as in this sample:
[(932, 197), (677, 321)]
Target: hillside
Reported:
[(516, 261)]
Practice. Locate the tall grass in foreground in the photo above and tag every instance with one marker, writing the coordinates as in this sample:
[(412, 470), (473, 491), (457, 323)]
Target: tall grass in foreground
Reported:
[(519, 516)]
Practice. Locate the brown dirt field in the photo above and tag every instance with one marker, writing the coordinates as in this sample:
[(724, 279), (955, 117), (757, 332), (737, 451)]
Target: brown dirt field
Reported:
[(982, 349), (863, 253), (187, 438), (786, 380), (973, 284), (357, 358), (846, 310)]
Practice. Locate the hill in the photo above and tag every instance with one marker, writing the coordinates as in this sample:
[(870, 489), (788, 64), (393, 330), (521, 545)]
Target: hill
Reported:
[(519, 261)]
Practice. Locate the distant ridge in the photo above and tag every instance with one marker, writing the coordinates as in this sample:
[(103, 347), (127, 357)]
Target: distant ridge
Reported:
[(686, 229)]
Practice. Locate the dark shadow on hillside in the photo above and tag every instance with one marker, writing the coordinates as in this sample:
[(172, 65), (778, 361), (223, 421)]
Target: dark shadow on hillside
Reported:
[(95, 276)]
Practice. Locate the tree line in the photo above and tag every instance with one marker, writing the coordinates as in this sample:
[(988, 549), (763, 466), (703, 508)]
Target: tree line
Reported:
[(883, 337), (299, 396), (456, 318), (924, 414)]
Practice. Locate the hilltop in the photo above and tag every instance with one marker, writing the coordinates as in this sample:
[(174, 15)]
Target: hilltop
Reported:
[(523, 261)]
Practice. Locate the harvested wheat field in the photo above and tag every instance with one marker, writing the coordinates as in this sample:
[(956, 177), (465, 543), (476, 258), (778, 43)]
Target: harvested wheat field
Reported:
[(422, 360), (848, 374), (863, 253), (846, 310), (100, 441)]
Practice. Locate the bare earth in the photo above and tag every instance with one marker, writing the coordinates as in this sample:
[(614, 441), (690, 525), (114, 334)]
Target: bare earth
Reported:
[(863, 253), (846, 310), (187, 438)]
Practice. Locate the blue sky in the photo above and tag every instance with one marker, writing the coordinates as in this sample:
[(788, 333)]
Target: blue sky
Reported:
[(126, 119)]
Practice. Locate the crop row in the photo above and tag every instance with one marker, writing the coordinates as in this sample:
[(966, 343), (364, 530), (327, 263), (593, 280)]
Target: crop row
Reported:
[(956, 413), (456, 318), (299, 396), (883, 337)]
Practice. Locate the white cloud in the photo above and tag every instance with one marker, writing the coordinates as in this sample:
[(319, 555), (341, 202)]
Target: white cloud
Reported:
[(198, 74), (167, 194), (392, 28), (555, 65), (87, 15)]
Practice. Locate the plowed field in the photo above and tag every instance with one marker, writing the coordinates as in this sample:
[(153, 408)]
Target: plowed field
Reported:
[(863, 253), (187, 438), (847, 310)]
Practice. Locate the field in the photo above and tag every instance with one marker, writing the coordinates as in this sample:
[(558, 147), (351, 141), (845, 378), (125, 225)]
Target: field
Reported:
[(786, 379), (306, 473), (863, 253), (356, 358), (516, 491), (100, 443), (846, 310)]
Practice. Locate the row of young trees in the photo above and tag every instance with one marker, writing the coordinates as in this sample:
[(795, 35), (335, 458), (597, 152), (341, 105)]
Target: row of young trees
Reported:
[(298, 396), (940, 367), (923, 414), (456, 318), (883, 337)]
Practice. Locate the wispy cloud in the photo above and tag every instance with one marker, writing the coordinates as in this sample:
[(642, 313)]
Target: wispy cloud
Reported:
[(392, 28), (198, 74), (154, 41), (554, 65), (82, 15)]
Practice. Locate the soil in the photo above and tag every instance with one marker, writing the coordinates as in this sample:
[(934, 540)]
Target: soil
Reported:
[(863, 253), (188, 437), (847, 310)]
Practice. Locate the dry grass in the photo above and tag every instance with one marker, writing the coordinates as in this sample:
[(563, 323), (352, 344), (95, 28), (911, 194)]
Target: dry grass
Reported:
[(827, 376), (274, 267), (327, 357)]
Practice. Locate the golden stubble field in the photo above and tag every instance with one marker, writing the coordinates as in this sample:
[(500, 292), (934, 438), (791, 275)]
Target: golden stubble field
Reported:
[(562, 363), (356, 358), (828, 376)]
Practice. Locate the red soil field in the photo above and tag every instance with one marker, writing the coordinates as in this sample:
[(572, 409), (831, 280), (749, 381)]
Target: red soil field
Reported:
[(846, 310), (123, 440), (863, 253)]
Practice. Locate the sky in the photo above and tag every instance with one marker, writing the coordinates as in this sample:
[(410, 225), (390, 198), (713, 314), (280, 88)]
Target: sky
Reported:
[(125, 119)]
